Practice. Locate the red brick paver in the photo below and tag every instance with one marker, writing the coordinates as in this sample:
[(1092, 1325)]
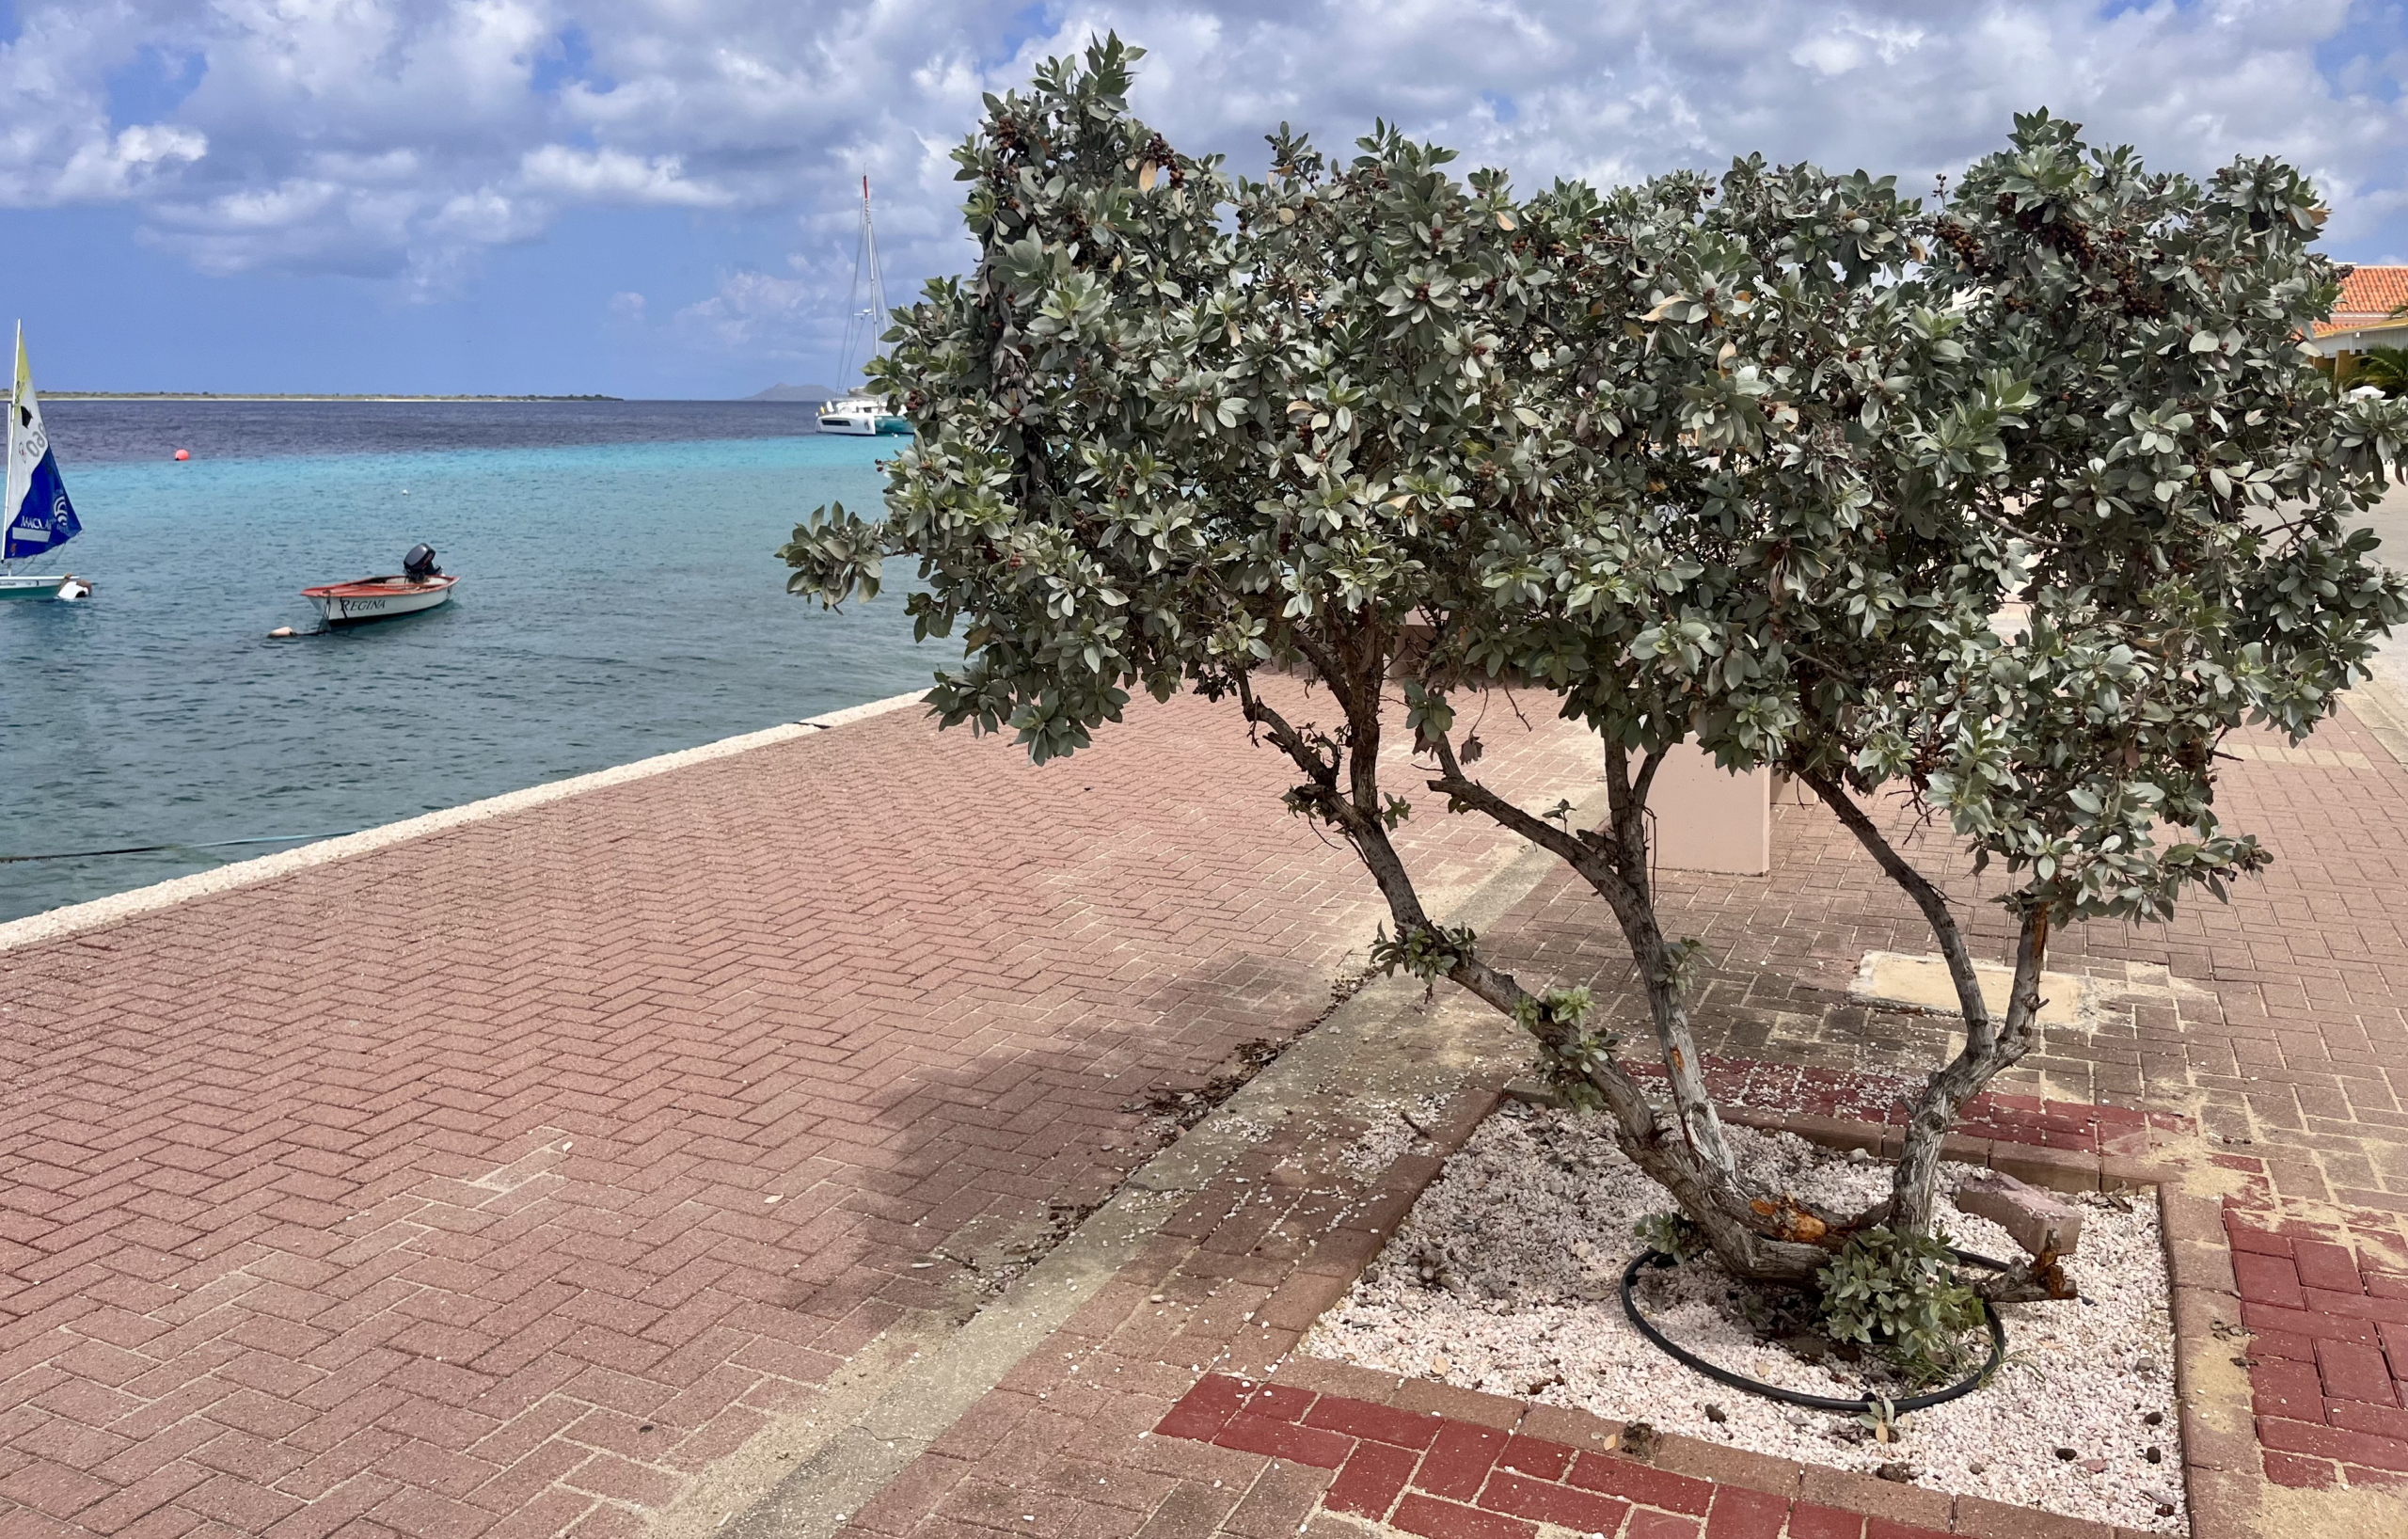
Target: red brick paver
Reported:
[(2274, 1026), (1173, 1405), (505, 1178)]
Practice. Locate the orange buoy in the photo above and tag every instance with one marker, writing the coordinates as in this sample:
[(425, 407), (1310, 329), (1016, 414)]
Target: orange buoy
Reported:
[(184, 453)]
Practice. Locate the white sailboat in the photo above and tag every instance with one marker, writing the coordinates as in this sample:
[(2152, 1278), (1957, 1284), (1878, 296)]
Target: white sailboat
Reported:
[(860, 414), (36, 518)]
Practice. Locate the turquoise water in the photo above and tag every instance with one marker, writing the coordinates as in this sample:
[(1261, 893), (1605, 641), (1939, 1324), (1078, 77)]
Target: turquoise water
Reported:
[(616, 600)]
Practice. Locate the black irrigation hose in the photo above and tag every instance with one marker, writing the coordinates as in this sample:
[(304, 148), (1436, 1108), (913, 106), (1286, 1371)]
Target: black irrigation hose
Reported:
[(1818, 1403)]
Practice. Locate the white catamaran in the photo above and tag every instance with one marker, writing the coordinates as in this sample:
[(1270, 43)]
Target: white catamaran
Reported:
[(859, 414), (36, 518)]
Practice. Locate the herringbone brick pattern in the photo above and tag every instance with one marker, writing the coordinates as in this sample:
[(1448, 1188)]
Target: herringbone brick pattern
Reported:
[(499, 1180), (2279, 1020)]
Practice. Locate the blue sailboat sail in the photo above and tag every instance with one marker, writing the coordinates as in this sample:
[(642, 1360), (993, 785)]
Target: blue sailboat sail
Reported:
[(45, 520), (35, 514)]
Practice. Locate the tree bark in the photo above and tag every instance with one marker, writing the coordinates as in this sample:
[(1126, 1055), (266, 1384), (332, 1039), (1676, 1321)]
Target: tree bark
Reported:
[(1991, 1045), (1754, 1232), (1762, 1235)]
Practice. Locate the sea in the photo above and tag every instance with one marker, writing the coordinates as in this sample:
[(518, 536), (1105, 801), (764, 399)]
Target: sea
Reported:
[(620, 597)]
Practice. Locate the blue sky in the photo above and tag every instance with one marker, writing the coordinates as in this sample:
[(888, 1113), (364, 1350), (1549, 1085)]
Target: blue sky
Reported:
[(657, 198)]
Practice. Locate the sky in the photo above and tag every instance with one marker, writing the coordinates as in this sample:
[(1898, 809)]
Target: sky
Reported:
[(661, 197)]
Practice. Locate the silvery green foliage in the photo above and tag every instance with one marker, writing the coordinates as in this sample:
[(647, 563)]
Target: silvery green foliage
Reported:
[(2018, 506), (1900, 1294), (1669, 1233), (2170, 504)]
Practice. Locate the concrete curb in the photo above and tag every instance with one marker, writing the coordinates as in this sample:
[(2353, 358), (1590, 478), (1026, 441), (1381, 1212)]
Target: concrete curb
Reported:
[(76, 918), (1367, 1045)]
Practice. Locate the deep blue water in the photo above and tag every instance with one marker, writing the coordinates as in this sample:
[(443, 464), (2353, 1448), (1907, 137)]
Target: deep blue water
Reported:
[(619, 599)]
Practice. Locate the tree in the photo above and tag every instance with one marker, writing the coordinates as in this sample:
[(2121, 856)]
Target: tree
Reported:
[(1755, 462)]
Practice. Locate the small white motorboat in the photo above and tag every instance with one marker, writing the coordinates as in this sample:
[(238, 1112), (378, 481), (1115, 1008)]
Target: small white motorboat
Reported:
[(36, 518), (419, 586)]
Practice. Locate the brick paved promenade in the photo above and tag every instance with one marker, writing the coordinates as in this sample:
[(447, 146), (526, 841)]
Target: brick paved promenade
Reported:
[(2268, 1036), (431, 1192), (501, 1180)]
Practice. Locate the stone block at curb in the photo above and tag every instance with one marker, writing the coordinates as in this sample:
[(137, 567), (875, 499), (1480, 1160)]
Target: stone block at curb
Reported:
[(2200, 1266), (2130, 1173), (1327, 1376), (1574, 1429), (2190, 1220), (1342, 1253), (2224, 1504), (1728, 1465), (1827, 1131), (2218, 1445), (1980, 1518), (1464, 1115), (2040, 1223), (1908, 1504), (1962, 1149), (1531, 1092), (2058, 1169), (1300, 1300), (1458, 1405), (1410, 1174)]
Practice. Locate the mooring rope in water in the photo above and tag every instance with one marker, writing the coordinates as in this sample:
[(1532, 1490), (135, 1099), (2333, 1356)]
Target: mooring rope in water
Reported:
[(146, 850)]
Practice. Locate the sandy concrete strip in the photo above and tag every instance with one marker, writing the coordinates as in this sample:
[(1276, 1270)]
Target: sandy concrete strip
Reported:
[(78, 918), (1922, 983), (1380, 1046), (2380, 704), (860, 713)]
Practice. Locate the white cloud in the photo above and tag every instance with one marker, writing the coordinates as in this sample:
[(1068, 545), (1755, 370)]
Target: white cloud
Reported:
[(783, 316), (613, 176), (103, 168), (404, 137)]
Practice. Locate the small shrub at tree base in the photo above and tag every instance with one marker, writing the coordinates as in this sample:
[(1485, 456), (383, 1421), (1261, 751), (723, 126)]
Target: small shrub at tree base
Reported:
[(1672, 1233), (1898, 1295)]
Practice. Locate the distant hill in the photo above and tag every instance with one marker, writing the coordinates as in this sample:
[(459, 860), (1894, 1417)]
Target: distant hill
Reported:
[(804, 393)]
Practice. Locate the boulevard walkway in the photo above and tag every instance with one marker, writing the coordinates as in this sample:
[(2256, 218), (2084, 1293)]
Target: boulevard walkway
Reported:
[(2252, 1056), (564, 1172), (501, 1180)]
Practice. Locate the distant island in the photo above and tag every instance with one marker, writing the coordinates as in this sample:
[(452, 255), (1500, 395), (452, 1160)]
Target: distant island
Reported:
[(213, 395), (799, 394)]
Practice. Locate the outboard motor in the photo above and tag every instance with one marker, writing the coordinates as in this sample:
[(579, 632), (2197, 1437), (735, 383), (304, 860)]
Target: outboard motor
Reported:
[(419, 564)]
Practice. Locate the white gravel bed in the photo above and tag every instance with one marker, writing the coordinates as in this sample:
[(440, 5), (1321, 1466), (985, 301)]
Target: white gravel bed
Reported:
[(1529, 1228)]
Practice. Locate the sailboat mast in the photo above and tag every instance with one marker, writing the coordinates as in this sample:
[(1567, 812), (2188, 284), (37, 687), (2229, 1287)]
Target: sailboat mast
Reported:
[(865, 305), (876, 279), (18, 473)]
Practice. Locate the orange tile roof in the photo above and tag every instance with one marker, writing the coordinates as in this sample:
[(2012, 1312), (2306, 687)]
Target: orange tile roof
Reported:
[(2368, 295)]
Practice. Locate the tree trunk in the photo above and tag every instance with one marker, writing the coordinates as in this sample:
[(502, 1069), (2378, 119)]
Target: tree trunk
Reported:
[(1732, 1221), (1754, 1232), (1914, 1191), (1991, 1046)]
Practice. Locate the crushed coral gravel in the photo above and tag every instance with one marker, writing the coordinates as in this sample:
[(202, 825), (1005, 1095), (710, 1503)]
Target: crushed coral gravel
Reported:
[(1528, 1229)]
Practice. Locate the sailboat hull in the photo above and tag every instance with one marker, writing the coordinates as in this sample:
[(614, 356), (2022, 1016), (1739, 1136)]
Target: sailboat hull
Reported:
[(44, 587), (861, 417)]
